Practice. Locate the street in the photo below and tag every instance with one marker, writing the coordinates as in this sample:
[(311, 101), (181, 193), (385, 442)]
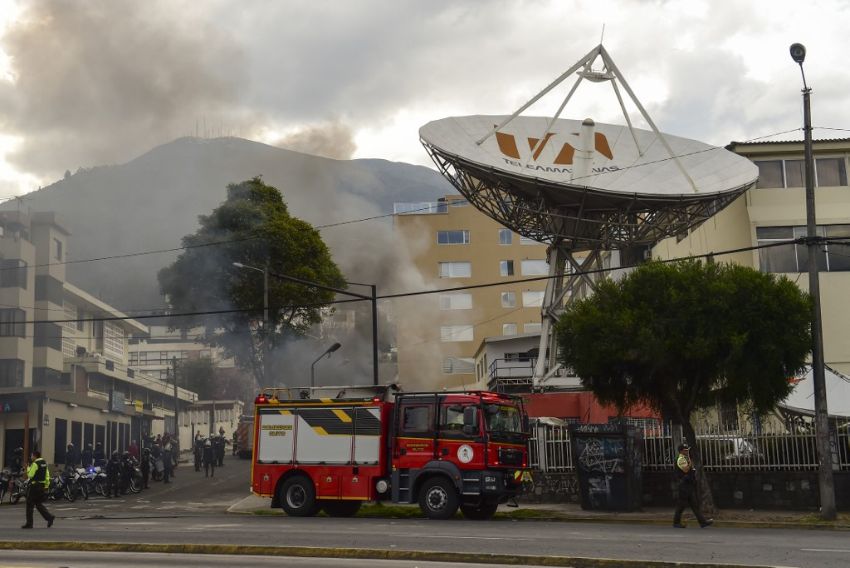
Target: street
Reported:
[(193, 510)]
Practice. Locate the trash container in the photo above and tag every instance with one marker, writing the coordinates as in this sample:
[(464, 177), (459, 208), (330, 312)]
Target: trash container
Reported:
[(607, 459)]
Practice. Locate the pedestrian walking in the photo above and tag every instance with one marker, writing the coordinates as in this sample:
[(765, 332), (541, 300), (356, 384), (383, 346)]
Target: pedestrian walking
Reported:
[(686, 477), (210, 459), (39, 480)]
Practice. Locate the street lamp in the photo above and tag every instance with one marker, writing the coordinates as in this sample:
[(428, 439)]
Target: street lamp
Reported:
[(327, 352), (267, 335), (825, 479)]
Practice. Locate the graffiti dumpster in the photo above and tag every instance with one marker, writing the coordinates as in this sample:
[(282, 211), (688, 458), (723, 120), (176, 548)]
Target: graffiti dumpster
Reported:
[(607, 459)]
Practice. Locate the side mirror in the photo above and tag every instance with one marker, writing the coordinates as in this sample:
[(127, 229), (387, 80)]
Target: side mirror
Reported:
[(470, 420)]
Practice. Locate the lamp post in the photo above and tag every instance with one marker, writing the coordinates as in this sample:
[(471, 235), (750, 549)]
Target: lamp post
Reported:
[(266, 334), (327, 352), (825, 480)]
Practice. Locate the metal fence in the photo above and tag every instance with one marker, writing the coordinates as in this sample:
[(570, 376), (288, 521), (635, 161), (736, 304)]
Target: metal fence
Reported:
[(747, 446)]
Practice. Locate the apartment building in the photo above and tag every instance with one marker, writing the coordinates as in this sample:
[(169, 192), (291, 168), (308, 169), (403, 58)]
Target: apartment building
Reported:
[(154, 353), (64, 374), (775, 210), (454, 245)]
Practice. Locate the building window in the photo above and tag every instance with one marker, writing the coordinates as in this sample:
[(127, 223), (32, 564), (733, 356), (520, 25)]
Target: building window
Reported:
[(534, 268), (456, 301), (47, 335), (793, 258), (505, 236), (12, 323), (508, 299), (532, 298), (531, 327), (11, 373), (452, 237), (456, 333), (458, 366), (508, 329), (57, 249), (455, 269), (13, 273), (113, 341), (506, 268), (829, 172)]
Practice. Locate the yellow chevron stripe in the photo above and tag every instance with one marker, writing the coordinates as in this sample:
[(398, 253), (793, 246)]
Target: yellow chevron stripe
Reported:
[(326, 399), (285, 412), (320, 431), (342, 415)]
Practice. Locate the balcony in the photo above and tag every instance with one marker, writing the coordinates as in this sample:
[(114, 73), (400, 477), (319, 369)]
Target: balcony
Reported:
[(511, 375)]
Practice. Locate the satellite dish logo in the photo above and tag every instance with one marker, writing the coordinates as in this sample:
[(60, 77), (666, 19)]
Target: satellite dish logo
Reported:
[(508, 147)]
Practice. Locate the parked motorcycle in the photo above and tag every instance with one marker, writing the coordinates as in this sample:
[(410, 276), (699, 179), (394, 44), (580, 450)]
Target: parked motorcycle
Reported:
[(18, 488)]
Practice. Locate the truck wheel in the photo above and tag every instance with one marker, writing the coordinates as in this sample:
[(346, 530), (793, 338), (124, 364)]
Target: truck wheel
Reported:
[(341, 508), (438, 498), (482, 512), (298, 497)]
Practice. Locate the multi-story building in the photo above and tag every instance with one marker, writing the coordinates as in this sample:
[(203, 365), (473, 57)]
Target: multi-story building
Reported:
[(155, 353), (64, 374), (775, 210), (456, 245)]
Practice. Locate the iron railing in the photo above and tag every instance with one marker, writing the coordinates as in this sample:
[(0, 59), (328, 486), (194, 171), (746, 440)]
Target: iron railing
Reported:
[(746, 446)]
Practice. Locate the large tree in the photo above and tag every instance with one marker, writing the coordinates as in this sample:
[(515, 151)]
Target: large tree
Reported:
[(685, 336), (252, 227)]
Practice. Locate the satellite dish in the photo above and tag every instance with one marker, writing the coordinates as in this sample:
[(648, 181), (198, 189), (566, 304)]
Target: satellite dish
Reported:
[(584, 187)]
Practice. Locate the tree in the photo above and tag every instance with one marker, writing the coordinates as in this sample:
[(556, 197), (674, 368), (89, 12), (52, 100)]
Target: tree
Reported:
[(252, 227), (681, 337)]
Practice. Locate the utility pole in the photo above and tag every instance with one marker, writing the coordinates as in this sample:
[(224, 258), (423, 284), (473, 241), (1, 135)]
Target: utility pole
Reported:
[(826, 484), (176, 400)]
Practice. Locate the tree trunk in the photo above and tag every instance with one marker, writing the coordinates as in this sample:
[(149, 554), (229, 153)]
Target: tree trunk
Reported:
[(706, 499)]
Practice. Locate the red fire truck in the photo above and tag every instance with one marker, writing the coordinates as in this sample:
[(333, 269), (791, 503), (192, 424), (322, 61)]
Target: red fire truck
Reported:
[(332, 448)]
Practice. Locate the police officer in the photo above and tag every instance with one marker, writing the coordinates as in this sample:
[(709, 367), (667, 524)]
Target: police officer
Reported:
[(219, 448), (686, 476), (87, 456), (210, 459), (99, 455), (71, 458), (39, 480), (166, 460), (145, 466), (113, 475), (198, 450)]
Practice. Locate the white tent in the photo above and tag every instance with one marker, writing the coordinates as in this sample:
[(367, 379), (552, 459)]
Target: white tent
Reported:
[(802, 398)]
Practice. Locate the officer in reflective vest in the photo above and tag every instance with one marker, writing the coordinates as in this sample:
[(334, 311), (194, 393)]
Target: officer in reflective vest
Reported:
[(687, 478), (39, 481)]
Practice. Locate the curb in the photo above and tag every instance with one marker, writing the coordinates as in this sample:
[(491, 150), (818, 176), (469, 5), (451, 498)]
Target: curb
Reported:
[(359, 553)]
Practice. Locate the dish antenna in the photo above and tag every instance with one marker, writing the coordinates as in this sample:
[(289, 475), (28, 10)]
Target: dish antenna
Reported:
[(599, 194)]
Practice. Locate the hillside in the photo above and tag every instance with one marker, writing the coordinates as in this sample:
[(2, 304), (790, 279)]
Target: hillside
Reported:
[(154, 200)]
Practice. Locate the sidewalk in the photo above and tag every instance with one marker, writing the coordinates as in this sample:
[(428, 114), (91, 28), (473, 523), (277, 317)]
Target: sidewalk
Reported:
[(571, 512)]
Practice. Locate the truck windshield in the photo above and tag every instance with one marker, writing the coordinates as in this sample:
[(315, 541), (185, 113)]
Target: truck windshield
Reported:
[(502, 418)]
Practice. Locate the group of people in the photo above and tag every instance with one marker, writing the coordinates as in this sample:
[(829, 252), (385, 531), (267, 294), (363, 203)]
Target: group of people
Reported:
[(209, 452)]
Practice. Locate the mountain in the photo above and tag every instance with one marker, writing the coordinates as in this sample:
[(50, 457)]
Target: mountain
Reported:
[(154, 200)]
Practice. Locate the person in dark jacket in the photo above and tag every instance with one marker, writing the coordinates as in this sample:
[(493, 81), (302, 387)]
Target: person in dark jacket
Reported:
[(39, 480), (145, 466), (210, 459), (71, 457), (198, 451), (113, 475), (99, 455), (166, 459), (87, 457), (687, 478)]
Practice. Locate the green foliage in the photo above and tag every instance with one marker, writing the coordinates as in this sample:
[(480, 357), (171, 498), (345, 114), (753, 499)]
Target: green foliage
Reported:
[(255, 220), (684, 336)]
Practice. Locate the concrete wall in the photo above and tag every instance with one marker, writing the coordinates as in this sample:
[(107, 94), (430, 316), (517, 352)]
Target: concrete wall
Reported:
[(766, 490)]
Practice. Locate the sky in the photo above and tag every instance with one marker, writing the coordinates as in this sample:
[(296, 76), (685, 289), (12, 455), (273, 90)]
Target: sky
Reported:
[(84, 84)]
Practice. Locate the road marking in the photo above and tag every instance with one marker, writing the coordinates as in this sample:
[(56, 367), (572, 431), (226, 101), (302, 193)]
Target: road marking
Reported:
[(825, 549), (472, 537)]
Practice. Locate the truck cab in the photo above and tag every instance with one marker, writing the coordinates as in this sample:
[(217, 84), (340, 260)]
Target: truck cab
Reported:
[(455, 450)]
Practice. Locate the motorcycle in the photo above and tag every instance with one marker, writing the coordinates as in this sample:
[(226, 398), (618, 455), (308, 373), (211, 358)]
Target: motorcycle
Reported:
[(60, 487), (93, 479), (79, 487), (18, 488), (5, 479)]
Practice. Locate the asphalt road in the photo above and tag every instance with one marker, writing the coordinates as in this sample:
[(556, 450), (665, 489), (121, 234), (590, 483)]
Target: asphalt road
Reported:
[(192, 510)]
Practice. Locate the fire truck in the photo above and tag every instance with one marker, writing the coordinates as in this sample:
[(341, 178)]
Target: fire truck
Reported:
[(333, 448)]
